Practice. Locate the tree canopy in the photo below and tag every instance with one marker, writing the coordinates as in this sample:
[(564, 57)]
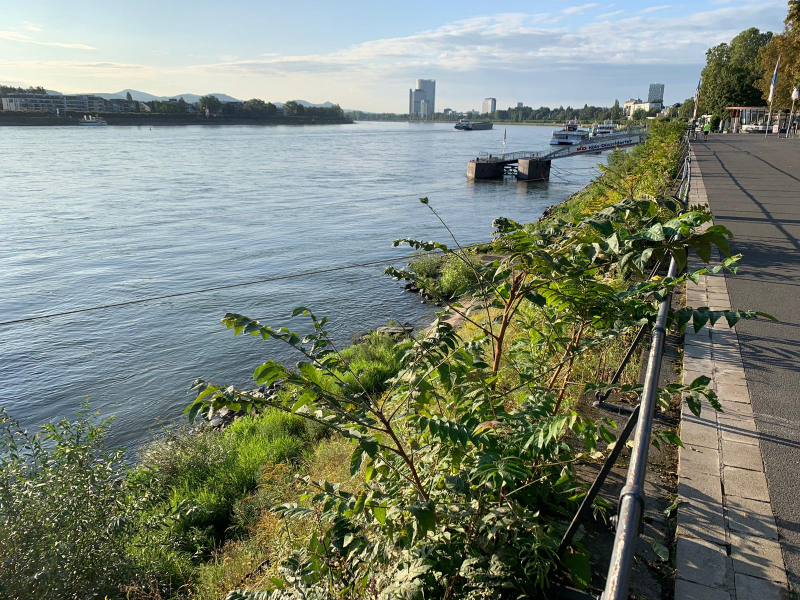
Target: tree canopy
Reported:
[(733, 71), (212, 103), (787, 46)]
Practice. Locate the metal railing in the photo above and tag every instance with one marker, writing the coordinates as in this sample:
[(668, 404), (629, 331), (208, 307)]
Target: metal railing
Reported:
[(631, 504), (507, 156), (632, 497)]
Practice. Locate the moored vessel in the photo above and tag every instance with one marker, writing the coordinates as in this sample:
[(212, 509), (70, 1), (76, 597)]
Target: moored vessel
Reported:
[(467, 125)]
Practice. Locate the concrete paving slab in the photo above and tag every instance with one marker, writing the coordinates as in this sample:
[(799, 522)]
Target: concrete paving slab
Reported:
[(745, 483), (751, 517), (757, 557)]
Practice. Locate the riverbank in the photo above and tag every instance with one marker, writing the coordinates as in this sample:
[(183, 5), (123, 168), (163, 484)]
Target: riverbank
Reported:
[(210, 497), (151, 119)]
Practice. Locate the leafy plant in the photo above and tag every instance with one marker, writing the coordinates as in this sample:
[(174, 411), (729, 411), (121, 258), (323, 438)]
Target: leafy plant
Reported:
[(468, 477), (69, 520)]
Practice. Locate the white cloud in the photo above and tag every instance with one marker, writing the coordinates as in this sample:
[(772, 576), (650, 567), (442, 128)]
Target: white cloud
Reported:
[(616, 13), (582, 8), (158, 52), (652, 9), (517, 42), (31, 26), (14, 36)]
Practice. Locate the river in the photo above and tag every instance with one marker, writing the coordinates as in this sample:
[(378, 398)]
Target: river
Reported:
[(99, 216)]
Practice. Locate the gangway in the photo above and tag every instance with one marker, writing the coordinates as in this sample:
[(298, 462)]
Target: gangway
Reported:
[(535, 165)]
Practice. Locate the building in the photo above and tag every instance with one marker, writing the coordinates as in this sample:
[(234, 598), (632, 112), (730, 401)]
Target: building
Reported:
[(489, 106), (519, 105), (121, 105), (422, 99), (656, 93), (49, 102), (631, 106), (81, 103)]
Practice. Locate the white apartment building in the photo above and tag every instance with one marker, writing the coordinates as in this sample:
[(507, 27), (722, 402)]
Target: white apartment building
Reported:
[(48, 102), (489, 105)]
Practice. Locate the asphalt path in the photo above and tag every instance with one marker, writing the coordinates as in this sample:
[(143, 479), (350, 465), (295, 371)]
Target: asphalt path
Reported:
[(753, 188)]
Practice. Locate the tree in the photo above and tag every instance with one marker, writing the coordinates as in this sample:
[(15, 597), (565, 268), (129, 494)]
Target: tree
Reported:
[(616, 111), (732, 72), (128, 97), (639, 114), (211, 103), (293, 109), (228, 109), (686, 109), (787, 46)]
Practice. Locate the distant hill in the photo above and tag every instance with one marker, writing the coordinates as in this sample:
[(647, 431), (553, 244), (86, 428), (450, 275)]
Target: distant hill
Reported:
[(145, 97)]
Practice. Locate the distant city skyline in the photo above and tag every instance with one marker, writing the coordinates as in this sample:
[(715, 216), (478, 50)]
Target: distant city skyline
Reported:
[(364, 58)]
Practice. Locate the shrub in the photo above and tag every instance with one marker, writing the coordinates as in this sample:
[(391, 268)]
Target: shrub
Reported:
[(67, 514), (203, 474), (426, 266), (458, 273), (372, 362)]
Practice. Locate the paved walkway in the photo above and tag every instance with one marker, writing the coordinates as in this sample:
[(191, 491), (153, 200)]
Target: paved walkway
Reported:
[(739, 532)]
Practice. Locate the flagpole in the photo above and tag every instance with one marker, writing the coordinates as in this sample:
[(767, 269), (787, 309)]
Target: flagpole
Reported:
[(772, 98)]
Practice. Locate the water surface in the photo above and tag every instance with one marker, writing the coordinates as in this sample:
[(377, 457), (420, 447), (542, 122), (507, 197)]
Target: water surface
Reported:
[(98, 216)]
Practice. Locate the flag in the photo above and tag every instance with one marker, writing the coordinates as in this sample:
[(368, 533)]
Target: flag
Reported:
[(505, 132), (697, 91), (774, 81)]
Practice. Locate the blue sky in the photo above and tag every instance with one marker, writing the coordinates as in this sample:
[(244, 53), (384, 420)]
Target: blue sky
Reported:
[(366, 55)]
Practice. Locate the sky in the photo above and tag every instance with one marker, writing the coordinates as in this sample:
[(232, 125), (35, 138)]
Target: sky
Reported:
[(366, 55)]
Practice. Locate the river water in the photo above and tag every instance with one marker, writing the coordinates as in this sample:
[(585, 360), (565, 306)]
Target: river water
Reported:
[(98, 216)]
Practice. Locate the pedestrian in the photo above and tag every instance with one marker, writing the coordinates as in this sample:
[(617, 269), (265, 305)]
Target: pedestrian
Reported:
[(706, 129), (693, 129)]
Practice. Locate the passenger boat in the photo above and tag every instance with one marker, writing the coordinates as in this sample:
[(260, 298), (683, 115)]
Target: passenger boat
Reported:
[(93, 121), (571, 135), (574, 135), (467, 125)]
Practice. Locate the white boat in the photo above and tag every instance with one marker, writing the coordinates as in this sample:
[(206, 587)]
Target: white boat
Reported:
[(571, 135), (574, 135), (93, 121), (467, 125)]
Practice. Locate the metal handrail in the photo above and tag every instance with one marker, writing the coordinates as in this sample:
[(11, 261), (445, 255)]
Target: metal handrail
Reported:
[(631, 500), (591, 494)]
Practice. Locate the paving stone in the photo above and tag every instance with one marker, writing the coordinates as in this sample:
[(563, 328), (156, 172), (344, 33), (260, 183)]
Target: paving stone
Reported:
[(737, 429), (701, 519), (686, 590), (730, 376), (699, 432), (697, 351), (757, 557), (735, 410), (698, 459), (750, 517), (745, 484), (701, 487), (690, 374), (743, 456), (733, 393), (752, 588), (705, 563)]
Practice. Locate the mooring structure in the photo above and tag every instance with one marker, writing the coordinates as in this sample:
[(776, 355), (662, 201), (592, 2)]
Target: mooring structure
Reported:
[(535, 166)]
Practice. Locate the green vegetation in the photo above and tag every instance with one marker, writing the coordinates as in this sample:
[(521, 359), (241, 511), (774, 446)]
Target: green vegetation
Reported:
[(445, 276), (466, 463), (787, 46), (442, 466), (69, 519), (732, 71)]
